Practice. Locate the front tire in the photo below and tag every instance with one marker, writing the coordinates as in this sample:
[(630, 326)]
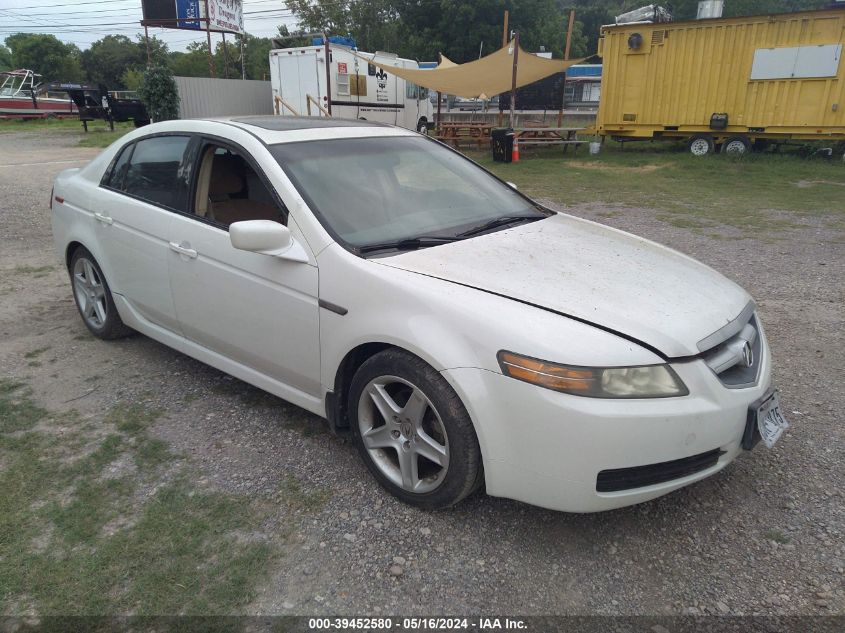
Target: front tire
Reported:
[(413, 432), (422, 127), (93, 297), (701, 145)]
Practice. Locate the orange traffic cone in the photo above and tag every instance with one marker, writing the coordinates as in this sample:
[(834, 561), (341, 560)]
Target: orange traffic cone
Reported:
[(515, 151)]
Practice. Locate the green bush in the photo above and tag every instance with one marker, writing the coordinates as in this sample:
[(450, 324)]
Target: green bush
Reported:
[(159, 94)]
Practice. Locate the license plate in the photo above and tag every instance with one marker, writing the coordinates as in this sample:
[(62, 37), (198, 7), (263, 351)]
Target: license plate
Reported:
[(770, 421)]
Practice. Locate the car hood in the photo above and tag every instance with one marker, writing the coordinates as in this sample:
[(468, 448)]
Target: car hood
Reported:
[(593, 273)]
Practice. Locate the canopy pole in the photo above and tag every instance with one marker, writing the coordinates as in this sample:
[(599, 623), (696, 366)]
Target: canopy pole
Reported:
[(569, 34), (328, 75), (513, 80), (439, 119), (505, 31)]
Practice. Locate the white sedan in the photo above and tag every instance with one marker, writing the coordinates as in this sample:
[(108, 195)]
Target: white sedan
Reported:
[(463, 334)]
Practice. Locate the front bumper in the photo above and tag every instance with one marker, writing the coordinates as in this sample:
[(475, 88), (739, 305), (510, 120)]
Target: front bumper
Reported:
[(548, 448)]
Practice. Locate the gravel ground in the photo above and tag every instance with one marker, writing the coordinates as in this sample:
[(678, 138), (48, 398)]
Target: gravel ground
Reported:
[(765, 536)]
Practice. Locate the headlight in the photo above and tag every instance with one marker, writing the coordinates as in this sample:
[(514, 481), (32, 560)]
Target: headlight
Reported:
[(647, 381)]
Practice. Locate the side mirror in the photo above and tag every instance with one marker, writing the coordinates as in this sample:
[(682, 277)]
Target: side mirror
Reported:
[(511, 184), (266, 237)]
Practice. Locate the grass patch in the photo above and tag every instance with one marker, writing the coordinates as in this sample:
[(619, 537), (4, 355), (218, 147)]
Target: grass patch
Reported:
[(689, 191), (101, 138), (81, 534), (295, 497), (98, 135), (34, 270), (35, 353), (777, 536)]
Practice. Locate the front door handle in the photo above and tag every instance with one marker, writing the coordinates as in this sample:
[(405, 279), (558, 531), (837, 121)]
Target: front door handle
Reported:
[(103, 218), (183, 250)]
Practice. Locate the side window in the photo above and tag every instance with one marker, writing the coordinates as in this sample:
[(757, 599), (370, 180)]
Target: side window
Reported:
[(410, 90), (114, 177), (154, 171), (230, 190)]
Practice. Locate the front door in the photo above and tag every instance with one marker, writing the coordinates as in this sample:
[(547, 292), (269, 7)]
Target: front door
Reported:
[(257, 310)]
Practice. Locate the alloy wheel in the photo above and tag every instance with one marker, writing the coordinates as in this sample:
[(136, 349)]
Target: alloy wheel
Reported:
[(404, 434), (90, 293)]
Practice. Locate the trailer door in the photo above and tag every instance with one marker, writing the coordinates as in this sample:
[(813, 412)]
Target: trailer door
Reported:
[(298, 75)]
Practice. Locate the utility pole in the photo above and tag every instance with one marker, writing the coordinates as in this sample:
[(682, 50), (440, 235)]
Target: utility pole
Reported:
[(505, 31), (147, 42), (243, 59)]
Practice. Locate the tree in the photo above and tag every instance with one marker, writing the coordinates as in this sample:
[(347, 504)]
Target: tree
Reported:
[(257, 54), (373, 23), (193, 63), (5, 58), (46, 55), (132, 79), (158, 49), (110, 57), (159, 93)]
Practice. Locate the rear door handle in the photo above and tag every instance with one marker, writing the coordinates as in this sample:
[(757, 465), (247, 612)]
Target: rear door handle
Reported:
[(183, 250), (103, 218)]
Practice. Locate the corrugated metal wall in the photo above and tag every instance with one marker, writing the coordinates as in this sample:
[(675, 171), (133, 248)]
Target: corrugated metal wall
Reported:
[(204, 97), (684, 72)]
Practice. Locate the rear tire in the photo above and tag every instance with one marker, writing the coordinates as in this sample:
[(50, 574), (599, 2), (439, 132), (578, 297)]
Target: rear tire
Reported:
[(413, 432), (701, 145), (736, 145), (422, 127), (93, 297)]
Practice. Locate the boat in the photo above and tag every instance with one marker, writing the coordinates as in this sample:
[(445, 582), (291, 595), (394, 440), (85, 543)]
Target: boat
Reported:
[(21, 97)]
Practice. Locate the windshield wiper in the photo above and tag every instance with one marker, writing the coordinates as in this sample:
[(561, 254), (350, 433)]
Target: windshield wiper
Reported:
[(497, 222), (409, 244)]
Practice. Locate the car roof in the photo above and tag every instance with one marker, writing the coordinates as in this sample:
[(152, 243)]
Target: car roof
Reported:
[(286, 123), (292, 129)]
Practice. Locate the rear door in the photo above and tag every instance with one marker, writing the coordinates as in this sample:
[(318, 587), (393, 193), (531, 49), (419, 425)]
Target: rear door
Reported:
[(145, 185)]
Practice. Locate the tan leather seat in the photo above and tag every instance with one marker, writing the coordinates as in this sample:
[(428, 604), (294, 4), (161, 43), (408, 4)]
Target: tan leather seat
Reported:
[(226, 180)]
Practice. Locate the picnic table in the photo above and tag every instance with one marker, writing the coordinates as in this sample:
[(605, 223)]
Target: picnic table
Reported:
[(479, 134), (544, 136), (454, 133)]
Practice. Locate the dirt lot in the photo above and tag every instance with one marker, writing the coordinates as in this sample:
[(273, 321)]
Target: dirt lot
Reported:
[(763, 537)]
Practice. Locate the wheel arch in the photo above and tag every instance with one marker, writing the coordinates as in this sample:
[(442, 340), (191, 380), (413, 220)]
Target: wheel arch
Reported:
[(70, 250), (337, 399)]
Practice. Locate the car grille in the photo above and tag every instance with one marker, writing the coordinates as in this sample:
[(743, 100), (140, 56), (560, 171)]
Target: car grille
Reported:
[(617, 479), (730, 359)]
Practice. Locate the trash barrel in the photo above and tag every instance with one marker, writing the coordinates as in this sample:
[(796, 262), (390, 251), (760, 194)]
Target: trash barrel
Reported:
[(502, 143)]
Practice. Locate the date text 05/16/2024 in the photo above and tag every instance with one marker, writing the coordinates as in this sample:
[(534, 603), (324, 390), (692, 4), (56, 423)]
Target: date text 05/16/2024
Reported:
[(416, 624)]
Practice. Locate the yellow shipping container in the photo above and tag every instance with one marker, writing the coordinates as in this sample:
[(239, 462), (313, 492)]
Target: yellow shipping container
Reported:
[(772, 77)]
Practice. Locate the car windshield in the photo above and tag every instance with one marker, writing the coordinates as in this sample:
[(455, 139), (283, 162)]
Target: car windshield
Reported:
[(400, 192)]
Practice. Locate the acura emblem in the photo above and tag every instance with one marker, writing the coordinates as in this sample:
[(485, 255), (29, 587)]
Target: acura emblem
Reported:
[(747, 354)]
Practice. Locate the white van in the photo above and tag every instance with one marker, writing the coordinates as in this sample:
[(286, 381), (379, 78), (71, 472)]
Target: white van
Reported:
[(358, 89)]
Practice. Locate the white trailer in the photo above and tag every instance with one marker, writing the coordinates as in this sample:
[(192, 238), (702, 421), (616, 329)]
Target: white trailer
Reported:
[(357, 89)]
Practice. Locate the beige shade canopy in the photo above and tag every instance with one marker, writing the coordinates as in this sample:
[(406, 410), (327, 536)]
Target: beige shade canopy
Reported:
[(488, 76)]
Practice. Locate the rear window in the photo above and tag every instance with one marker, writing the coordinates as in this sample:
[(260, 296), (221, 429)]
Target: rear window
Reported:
[(114, 178), (153, 173)]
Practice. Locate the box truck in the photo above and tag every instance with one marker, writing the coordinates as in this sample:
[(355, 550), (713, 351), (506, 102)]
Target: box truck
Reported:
[(353, 88), (725, 84)]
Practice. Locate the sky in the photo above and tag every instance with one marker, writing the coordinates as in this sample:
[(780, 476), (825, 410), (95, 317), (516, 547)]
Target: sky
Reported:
[(84, 22)]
